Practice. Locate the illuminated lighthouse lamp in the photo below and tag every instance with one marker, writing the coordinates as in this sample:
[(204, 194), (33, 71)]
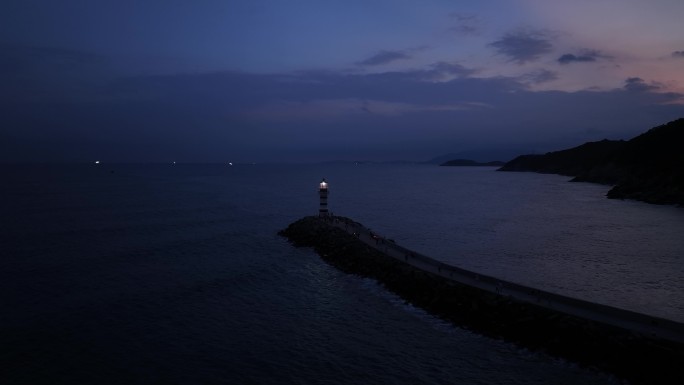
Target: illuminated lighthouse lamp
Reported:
[(323, 194)]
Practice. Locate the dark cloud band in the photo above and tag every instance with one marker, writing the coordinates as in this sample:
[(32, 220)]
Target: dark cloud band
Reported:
[(523, 46), (585, 56), (384, 57)]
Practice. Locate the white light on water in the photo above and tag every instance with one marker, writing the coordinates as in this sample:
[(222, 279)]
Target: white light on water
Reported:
[(97, 162), (230, 163)]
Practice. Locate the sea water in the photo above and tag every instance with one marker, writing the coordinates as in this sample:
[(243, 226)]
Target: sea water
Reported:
[(174, 274)]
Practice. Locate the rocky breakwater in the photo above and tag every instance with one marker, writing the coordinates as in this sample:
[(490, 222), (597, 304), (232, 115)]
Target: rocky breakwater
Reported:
[(635, 357)]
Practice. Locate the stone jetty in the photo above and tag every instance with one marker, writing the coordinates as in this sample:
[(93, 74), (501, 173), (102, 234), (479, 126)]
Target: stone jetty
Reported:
[(639, 348)]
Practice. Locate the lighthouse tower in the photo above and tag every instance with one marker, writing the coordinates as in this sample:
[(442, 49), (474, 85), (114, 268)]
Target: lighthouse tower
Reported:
[(323, 194)]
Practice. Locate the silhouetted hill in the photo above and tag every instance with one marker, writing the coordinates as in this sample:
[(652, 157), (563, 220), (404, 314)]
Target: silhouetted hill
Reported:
[(468, 162), (649, 167), (481, 155)]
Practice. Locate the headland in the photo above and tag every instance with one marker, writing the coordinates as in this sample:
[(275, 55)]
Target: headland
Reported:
[(648, 167)]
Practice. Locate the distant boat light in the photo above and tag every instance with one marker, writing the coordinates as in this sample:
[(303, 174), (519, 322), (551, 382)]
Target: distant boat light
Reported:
[(97, 162), (230, 163)]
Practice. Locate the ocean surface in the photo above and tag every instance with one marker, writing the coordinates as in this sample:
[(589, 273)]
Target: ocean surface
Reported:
[(174, 274)]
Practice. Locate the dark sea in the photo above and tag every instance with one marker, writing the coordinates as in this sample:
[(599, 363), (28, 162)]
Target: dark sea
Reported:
[(174, 274)]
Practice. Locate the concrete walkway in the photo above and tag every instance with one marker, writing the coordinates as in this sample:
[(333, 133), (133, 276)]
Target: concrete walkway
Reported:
[(625, 319)]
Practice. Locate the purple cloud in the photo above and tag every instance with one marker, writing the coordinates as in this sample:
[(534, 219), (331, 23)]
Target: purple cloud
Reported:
[(584, 56), (466, 25), (384, 57), (313, 115), (442, 70), (636, 84), (539, 76), (523, 46), (570, 58)]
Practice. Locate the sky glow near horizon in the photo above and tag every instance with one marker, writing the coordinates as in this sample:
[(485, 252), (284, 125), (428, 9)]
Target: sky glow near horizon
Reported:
[(320, 80)]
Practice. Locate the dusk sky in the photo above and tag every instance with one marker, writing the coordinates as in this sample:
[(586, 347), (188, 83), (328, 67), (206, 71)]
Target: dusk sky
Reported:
[(316, 80)]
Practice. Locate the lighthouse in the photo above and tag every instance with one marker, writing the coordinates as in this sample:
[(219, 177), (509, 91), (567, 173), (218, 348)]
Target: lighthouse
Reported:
[(323, 194)]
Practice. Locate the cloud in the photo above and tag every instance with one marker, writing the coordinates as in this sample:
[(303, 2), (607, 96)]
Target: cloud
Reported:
[(678, 54), (384, 57), (539, 76), (466, 24), (318, 115), (569, 58), (636, 84), (435, 72), (445, 70), (523, 46), (583, 56), (326, 109)]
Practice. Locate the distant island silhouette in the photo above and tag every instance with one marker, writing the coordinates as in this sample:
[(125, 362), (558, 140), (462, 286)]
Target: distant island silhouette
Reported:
[(649, 167), (468, 162)]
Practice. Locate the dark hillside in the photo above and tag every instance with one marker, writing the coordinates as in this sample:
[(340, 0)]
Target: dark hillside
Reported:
[(571, 162), (471, 163), (649, 167)]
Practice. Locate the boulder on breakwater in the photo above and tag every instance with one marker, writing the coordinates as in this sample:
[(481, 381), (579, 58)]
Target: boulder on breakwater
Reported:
[(635, 357)]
